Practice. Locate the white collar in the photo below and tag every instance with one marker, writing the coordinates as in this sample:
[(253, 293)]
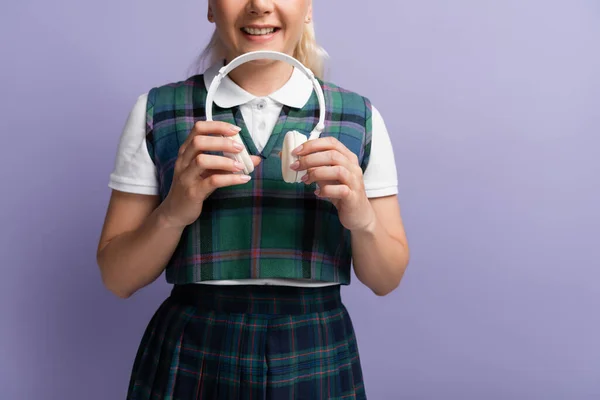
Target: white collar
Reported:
[(294, 93)]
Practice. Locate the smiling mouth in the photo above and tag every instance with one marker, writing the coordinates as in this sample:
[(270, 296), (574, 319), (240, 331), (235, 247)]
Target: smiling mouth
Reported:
[(259, 31)]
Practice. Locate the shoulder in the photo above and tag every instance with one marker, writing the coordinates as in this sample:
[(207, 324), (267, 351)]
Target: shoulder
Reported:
[(192, 81), (349, 97), (168, 92), (353, 96)]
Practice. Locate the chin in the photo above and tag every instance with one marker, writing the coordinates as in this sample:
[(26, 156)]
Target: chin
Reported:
[(248, 49), (263, 62)]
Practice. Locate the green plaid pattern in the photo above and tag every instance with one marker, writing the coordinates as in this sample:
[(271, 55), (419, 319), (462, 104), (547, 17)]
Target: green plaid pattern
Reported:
[(266, 228), (249, 342)]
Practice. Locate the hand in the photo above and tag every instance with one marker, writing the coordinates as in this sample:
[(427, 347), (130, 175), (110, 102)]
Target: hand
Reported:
[(340, 179), (197, 175)]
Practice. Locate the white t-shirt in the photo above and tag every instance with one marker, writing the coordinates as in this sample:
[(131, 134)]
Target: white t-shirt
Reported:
[(134, 171)]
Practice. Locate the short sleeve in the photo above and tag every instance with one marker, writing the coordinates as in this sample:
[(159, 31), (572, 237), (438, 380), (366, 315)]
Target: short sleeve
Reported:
[(380, 176), (134, 171)]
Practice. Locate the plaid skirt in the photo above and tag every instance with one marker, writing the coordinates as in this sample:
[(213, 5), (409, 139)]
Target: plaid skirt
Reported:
[(248, 342)]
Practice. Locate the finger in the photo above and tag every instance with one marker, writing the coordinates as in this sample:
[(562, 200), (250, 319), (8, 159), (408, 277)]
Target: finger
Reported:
[(323, 144), (206, 173), (215, 162), (336, 173), (326, 183), (208, 162), (201, 143), (219, 128), (256, 160), (320, 159), (333, 191), (216, 181)]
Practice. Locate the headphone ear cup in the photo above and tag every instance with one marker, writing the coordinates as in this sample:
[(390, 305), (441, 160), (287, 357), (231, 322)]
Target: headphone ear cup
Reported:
[(291, 140), (242, 157)]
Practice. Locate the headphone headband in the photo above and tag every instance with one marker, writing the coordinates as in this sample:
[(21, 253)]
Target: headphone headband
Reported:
[(270, 55)]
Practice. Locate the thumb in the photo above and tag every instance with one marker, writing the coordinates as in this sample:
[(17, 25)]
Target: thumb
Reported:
[(256, 160)]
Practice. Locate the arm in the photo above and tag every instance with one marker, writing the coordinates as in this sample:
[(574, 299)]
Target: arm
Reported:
[(367, 204), (141, 233), (379, 247), (136, 242), (380, 250)]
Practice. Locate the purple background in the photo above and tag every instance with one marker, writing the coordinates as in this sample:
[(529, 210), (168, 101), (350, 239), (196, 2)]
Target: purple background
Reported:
[(494, 113)]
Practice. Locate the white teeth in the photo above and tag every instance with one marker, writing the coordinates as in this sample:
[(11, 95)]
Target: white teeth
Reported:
[(263, 31)]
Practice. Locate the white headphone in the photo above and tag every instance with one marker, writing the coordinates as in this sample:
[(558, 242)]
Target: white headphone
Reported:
[(292, 139)]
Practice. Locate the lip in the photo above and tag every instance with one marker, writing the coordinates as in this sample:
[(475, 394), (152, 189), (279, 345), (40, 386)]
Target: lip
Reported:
[(261, 38), (256, 26)]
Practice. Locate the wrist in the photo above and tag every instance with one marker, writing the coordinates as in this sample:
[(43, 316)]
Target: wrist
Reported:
[(165, 220), (369, 226)]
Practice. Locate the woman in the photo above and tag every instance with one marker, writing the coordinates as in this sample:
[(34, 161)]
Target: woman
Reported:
[(256, 263)]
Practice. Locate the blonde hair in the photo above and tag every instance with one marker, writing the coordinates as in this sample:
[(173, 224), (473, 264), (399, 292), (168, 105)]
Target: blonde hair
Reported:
[(307, 51)]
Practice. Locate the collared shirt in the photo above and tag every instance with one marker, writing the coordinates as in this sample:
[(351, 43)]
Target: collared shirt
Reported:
[(260, 113), (134, 171)]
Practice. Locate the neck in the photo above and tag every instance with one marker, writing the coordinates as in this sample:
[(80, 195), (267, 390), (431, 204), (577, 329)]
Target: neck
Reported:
[(261, 77)]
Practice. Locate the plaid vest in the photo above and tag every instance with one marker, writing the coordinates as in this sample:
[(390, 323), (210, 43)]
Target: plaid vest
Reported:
[(266, 228)]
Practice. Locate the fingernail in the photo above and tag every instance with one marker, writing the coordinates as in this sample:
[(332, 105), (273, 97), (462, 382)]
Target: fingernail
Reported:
[(318, 192), (304, 178), (295, 165), (235, 128), (297, 149), (238, 145), (245, 178), (238, 165)]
